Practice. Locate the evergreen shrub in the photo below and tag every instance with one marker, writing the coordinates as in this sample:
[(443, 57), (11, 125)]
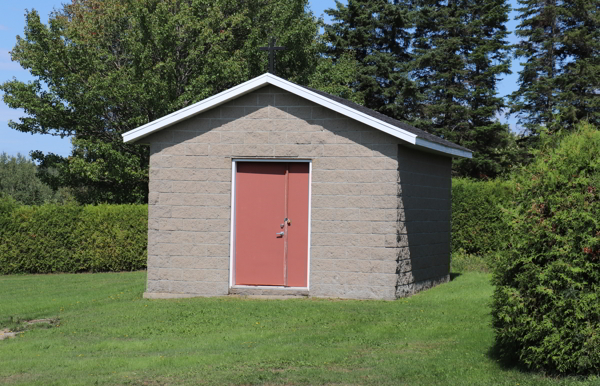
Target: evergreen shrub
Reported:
[(546, 306), (72, 238), (477, 226)]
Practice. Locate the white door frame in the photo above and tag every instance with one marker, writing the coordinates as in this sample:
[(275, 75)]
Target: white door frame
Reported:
[(232, 232)]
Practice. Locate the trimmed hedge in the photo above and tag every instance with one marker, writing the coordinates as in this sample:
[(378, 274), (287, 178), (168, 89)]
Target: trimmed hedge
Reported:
[(72, 238), (546, 307), (477, 226)]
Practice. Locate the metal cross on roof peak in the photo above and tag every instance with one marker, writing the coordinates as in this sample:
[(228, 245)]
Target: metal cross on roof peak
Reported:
[(271, 48)]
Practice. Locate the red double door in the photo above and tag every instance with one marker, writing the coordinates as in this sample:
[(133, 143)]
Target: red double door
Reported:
[(271, 223)]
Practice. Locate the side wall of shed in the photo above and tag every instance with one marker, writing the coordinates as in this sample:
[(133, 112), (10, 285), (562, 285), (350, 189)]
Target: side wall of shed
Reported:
[(425, 190)]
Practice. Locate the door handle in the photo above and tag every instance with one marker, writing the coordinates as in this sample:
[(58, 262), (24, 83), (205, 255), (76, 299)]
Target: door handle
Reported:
[(279, 234)]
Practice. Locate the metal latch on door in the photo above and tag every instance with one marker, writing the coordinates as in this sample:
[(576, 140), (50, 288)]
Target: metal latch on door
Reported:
[(289, 222)]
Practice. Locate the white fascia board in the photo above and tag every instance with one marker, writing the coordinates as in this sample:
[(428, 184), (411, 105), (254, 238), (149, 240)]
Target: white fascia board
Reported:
[(196, 108), (252, 85), (444, 149), (262, 80)]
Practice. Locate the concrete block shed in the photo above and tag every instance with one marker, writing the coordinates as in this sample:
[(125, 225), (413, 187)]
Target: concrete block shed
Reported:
[(271, 188)]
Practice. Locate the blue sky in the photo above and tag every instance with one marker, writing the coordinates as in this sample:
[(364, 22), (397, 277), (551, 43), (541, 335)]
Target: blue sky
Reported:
[(12, 23)]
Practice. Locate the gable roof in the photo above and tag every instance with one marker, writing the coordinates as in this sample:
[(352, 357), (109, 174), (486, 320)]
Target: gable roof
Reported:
[(369, 117)]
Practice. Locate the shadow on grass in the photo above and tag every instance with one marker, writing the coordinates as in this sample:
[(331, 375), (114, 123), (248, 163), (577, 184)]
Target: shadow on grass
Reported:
[(507, 359), (454, 275)]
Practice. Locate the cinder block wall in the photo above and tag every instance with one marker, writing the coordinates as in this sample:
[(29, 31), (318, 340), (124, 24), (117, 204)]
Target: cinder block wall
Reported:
[(357, 215), (425, 185)]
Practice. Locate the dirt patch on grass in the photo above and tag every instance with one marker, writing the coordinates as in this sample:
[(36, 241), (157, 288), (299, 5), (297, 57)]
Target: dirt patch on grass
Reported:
[(16, 378), (153, 382), (21, 326), (6, 333), (42, 321)]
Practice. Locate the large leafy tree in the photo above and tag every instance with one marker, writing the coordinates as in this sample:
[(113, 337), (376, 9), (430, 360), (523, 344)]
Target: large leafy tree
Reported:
[(376, 35), (460, 54), (103, 67), (561, 72)]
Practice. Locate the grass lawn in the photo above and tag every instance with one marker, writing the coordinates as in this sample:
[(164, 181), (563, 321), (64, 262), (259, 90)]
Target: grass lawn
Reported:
[(108, 335)]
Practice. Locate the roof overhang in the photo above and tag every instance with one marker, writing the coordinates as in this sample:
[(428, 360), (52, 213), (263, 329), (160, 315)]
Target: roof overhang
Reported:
[(270, 79)]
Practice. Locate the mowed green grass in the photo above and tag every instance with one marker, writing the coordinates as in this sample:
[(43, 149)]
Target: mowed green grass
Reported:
[(109, 335)]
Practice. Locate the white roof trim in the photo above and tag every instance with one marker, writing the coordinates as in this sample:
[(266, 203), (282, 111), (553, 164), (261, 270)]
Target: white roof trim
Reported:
[(444, 149), (260, 81)]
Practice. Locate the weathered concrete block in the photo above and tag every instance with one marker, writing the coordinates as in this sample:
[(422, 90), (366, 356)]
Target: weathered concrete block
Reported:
[(159, 211), (380, 189), (325, 252), (199, 288), (266, 99), (300, 112), (158, 286), (160, 186), (205, 275), (287, 99), (197, 149), (253, 150), (378, 214), (379, 163), (277, 137), (338, 163), (217, 250), (341, 150), (337, 189), (299, 138), (209, 137), (376, 137), (359, 176), (384, 227), (278, 113), (246, 100), (256, 137), (302, 150), (319, 112), (231, 137), (209, 263), (412, 288), (232, 112), (338, 214), (220, 150), (353, 292)]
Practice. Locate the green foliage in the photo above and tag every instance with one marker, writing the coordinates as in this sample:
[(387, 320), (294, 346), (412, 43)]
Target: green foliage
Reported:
[(561, 72), (18, 180), (460, 53), (96, 172), (338, 78), (433, 64), (546, 307), (72, 238), (104, 67), (462, 261), (375, 34), (477, 226)]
